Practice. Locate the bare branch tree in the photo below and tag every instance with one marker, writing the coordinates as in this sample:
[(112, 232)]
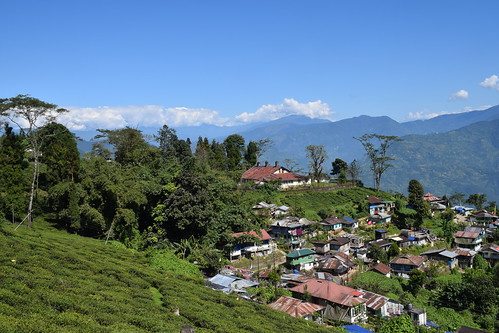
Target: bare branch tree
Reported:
[(354, 171), (30, 113), (377, 154), (317, 156)]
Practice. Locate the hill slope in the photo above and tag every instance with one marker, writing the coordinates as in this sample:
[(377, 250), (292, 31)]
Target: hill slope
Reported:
[(51, 281), (464, 160)]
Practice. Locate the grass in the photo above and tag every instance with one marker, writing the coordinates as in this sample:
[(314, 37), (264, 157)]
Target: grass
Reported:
[(52, 281), (341, 202)]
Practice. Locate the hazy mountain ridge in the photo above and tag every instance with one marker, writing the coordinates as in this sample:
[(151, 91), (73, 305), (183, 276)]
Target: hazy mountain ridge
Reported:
[(426, 143), (463, 160)]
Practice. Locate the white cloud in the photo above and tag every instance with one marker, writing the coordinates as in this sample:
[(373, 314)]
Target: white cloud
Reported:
[(422, 115), (461, 94), (290, 106), (491, 82), (111, 117)]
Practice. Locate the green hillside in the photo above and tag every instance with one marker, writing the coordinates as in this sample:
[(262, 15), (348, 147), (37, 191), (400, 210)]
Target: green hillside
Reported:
[(52, 281), (464, 160)]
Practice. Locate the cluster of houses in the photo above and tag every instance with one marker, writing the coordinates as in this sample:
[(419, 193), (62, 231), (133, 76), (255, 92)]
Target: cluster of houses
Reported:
[(318, 269)]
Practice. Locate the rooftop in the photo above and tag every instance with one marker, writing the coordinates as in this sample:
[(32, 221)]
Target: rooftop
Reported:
[(295, 307), (331, 292), (263, 235)]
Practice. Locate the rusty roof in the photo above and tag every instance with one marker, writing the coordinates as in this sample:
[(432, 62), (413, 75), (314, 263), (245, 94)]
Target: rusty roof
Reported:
[(331, 264), (430, 197), (408, 259), (331, 292), (466, 234), (340, 241), (295, 307), (374, 200), (374, 301), (382, 268), (333, 220), (264, 235), (490, 247), (345, 258), (464, 252)]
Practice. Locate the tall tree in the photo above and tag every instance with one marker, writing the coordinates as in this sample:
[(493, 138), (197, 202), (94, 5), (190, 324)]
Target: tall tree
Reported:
[(477, 199), (457, 198), (338, 166), (129, 144), (188, 210), (292, 165), (11, 160), (60, 153), (376, 147), (203, 151), (234, 148), (12, 165), (218, 158), (416, 192), (422, 207), (251, 154), (28, 113), (354, 171), (263, 145), (317, 156), (168, 141)]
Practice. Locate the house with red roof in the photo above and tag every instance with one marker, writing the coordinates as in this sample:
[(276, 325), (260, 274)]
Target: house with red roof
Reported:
[(263, 174), (297, 308), (252, 243), (431, 198), (382, 269), (342, 303)]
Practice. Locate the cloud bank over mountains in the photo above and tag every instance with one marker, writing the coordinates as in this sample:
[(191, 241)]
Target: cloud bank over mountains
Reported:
[(110, 117)]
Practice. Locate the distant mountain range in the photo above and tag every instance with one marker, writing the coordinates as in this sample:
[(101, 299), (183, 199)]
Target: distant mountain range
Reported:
[(448, 153)]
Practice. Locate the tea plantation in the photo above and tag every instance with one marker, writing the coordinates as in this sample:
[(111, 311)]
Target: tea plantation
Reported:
[(52, 281)]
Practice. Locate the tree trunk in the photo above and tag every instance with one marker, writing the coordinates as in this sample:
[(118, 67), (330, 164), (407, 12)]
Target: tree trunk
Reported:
[(32, 193)]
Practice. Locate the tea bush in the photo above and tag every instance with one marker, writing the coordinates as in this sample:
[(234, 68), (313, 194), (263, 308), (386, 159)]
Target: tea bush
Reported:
[(52, 281)]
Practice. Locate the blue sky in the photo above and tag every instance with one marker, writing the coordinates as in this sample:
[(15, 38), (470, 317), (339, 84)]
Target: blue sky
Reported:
[(145, 63)]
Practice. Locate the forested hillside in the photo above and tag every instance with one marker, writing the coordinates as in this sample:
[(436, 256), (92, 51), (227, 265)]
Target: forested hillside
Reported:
[(464, 160)]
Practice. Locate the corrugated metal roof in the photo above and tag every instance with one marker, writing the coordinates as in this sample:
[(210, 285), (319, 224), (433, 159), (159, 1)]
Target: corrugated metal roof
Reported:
[(408, 259), (295, 307), (264, 235), (331, 292), (465, 234), (465, 252), (374, 200), (382, 268), (430, 197), (340, 241), (356, 329), (223, 280), (300, 253), (374, 301), (449, 254)]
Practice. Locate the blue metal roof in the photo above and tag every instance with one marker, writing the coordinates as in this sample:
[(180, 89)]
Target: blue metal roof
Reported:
[(356, 329)]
